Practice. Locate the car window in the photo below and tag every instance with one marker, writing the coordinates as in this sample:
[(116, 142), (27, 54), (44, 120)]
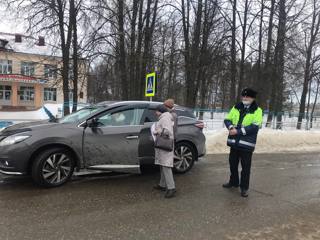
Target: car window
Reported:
[(121, 118), (185, 113), (150, 116), (79, 115)]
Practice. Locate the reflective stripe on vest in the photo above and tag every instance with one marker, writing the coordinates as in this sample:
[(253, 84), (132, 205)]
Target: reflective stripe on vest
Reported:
[(247, 143)]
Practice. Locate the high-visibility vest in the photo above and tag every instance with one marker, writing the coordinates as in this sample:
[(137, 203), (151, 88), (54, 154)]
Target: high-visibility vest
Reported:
[(247, 121)]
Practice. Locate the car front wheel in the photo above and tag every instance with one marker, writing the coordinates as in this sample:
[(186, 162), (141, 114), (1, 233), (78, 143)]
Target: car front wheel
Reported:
[(53, 167), (184, 157)]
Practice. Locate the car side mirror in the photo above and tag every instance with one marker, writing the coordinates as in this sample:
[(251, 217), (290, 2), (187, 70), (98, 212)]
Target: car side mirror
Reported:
[(91, 123)]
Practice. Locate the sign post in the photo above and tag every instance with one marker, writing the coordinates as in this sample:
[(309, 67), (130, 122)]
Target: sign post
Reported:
[(150, 85)]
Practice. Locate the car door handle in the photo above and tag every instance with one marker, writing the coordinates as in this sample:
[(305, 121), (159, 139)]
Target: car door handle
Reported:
[(132, 137)]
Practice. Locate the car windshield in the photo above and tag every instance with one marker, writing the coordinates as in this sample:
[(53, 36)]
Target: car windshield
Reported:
[(79, 115)]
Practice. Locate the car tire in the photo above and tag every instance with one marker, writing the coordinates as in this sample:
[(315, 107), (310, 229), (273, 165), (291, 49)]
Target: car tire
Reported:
[(184, 157), (53, 167)]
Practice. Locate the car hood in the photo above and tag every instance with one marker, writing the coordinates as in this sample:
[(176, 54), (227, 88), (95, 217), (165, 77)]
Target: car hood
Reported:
[(28, 126)]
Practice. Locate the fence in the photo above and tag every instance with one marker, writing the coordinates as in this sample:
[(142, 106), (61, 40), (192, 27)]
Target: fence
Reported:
[(214, 120)]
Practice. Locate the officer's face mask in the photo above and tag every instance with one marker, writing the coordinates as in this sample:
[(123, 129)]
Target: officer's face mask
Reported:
[(247, 101)]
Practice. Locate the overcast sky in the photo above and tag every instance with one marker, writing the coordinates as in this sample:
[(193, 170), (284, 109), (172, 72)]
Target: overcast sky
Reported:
[(10, 24)]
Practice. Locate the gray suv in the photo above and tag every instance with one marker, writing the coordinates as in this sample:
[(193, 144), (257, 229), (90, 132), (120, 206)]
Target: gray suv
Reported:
[(110, 136)]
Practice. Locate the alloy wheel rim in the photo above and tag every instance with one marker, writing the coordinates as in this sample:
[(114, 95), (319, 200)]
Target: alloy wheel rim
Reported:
[(56, 168), (182, 158)]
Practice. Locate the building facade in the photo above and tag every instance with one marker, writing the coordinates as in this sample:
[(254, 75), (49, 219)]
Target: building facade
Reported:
[(30, 74)]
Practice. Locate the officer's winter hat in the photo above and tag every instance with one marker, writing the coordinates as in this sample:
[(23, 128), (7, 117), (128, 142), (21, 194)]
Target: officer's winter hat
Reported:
[(161, 108), (248, 92)]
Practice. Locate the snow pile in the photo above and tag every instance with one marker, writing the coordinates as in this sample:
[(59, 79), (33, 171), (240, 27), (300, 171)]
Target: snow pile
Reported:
[(55, 109), (40, 114), (29, 45), (24, 115), (269, 141)]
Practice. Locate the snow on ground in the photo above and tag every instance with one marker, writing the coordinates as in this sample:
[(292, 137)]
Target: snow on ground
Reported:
[(55, 109), (269, 141), (24, 115)]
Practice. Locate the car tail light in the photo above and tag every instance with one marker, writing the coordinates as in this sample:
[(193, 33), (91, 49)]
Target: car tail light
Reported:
[(200, 125)]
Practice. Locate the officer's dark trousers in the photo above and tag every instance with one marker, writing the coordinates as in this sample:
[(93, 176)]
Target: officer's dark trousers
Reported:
[(245, 158)]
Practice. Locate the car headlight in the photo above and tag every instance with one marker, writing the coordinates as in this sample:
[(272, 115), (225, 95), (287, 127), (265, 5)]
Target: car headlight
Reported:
[(13, 140)]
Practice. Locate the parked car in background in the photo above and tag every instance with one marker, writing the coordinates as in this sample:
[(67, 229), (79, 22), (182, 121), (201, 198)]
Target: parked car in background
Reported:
[(107, 136)]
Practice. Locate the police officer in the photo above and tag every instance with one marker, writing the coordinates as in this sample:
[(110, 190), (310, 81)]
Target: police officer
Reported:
[(243, 123)]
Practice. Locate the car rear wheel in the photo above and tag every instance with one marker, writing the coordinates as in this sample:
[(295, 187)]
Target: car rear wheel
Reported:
[(184, 157), (53, 167)]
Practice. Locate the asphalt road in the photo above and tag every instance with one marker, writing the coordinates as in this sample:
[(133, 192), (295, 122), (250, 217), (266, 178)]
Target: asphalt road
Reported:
[(284, 203)]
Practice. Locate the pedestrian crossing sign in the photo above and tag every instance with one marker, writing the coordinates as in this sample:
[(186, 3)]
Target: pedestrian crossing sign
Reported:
[(150, 85)]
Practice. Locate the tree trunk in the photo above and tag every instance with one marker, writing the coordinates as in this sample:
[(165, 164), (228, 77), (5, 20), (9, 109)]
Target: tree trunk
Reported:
[(192, 83), (308, 105), (149, 29), (315, 102), (132, 55), (313, 34), (186, 26), (122, 51), (203, 75), (268, 68), (139, 52), (260, 97), (243, 50), (74, 56), (65, 47), (233, 64), (279, 62), (171, 64)]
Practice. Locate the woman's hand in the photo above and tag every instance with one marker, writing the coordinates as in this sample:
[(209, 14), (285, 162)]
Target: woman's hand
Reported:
[(157, 131)]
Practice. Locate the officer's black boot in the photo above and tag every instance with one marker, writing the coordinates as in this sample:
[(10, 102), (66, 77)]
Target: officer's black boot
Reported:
[(229, 185), (244, 193)]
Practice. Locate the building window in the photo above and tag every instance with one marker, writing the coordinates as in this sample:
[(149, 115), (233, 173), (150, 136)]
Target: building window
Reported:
[(5, 93), (81, 95), (26, 93), (27, 68), (3, 43), (50, 71), (5, 66), (50, 94)]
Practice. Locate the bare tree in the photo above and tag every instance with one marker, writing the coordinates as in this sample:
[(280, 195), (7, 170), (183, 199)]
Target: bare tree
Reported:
[(314, 31), (233, 65)]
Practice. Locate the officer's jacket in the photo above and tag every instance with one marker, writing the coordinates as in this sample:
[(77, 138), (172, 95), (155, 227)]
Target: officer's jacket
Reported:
[(247, 121)]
